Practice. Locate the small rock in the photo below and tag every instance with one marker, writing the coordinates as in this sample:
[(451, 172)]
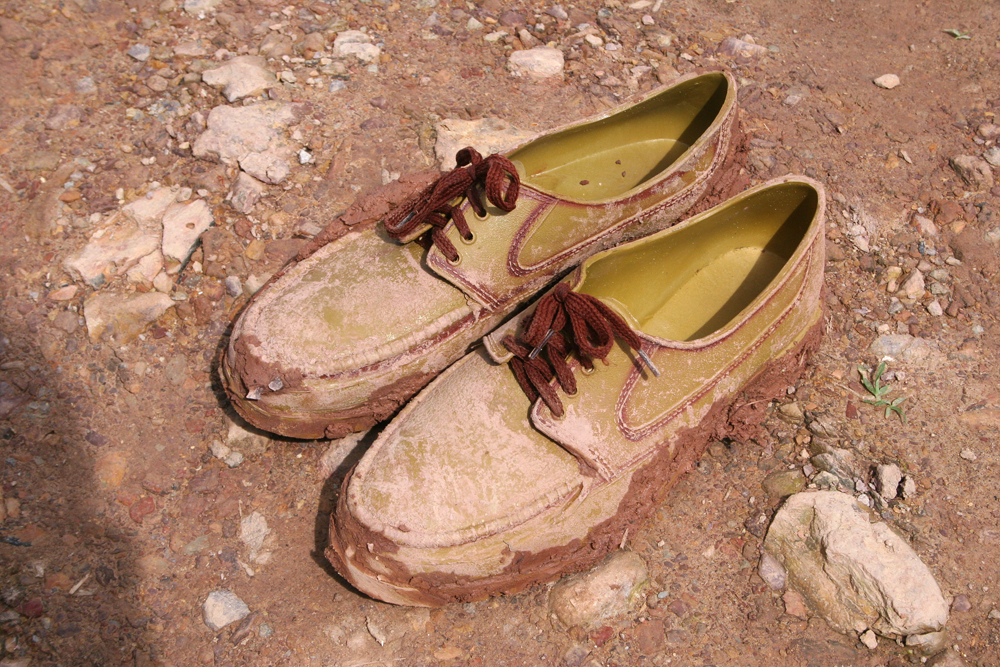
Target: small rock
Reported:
[(183, 224), (968, 455), (243, 76), (887, 81), (575, 655), (139, 52), (946, 658), (928, 643), (233, 286), (909, 489), (783, 483), (357, 44), (913, 286), (961, 603), (219, 450), (992, 156), (233, 132), (611, 588), (731, 46), (200, 7), (123, 317), (253, 530), (233, 460), (926, 226), (791, 412), (246, 192), (63, 116), (935, 309), (64, 293), (976, 172), (540, 62), (772, 572), (903, 347), (855, 573), (486, 135), (795, 605), (869, 639), (12, 31), (887, 479), (265, 167), (222, 608)]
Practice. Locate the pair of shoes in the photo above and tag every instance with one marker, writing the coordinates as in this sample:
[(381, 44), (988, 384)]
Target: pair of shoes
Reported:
[(340, 340), (533, 454)]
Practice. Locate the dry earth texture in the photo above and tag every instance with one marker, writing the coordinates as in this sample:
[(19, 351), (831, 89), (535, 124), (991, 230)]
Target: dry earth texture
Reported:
[(117, 518)]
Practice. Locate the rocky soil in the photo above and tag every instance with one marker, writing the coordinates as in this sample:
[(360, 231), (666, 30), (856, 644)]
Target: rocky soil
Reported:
[(160, 159)]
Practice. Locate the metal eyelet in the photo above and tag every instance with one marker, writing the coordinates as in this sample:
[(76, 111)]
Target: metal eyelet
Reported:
[(455, 262), (588, 371), (470, 240), (481, 217)]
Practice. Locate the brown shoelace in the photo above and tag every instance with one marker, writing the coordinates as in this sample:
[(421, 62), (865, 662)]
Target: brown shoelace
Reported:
[(433, 205), (566, 321)]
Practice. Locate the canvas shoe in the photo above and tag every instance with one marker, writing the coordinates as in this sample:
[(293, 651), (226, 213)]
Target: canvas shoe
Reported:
[(538, 453), (342, 338)]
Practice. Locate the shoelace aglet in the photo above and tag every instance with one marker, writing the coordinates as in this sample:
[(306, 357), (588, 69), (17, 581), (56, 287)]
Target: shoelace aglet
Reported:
[(538, 348), (649, 362)]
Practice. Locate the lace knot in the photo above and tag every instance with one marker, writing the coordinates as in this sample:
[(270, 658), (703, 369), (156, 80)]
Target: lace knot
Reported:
[(433, 206), (565, 321)]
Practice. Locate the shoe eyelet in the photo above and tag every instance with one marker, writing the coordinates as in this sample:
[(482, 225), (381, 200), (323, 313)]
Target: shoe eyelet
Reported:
[(480, 217), (454, 262), (470, 240), (588, 371), (575, 392)]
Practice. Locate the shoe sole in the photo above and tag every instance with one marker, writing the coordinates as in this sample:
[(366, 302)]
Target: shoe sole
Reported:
[(738, 417)]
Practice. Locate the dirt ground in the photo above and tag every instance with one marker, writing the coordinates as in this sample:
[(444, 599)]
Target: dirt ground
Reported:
[(119, 521)]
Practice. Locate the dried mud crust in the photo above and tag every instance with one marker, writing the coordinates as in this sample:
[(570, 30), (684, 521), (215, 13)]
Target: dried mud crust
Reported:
[(739, 418)]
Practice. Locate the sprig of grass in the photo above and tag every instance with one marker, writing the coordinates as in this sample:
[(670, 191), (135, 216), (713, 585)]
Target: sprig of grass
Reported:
[(873, 383), (958, 34)]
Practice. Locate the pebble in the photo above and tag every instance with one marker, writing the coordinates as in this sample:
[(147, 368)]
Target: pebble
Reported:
[(200, 6), (610, 589), (121, 316), (935, 309), (731, 46), (961, 603), (540, 62), (992, 156), (239, 436), (869, 639), (927, 643), (232, 132), (855, 573), (63, 116), (233, 286), (222, 608), (926, 226), (243, 76), (946, 658), (253, 531), (913, 286), (183, 224), (903, 347), (139, 52), (336, 86), (887, 81), (783, 483), (245, 194), (486, 135), (887, 479), (974, 171), (267, 167), (968, 455), (357, 44), (473, 24)]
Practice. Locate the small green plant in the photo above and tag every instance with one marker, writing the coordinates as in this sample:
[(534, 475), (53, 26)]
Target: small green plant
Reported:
[(958, 34), (873, 383)]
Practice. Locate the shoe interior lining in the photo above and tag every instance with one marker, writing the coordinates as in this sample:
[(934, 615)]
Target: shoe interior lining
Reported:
[(692, 283), (604, 159)]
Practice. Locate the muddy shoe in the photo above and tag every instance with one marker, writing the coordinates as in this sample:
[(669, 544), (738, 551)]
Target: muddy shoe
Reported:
[(536, 455), (344, 337)]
